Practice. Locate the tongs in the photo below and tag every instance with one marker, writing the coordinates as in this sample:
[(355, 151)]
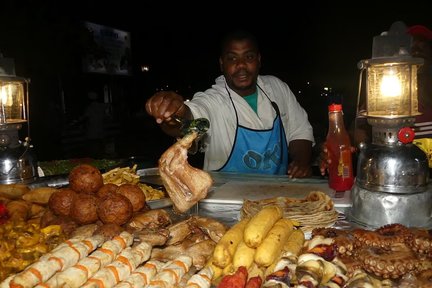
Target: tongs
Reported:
[(200, 125)]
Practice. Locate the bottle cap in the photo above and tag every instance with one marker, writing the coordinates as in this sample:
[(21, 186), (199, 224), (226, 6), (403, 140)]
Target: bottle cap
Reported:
[(335, 107)]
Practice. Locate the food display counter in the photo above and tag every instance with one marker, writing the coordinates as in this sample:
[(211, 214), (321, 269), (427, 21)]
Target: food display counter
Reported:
[(215, 229), (225, 198)]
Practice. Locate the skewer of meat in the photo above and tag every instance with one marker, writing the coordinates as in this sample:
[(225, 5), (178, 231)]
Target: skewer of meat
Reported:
[(171, 273), (142, 275), (121, 268), (202, 279), (79, 273), (57, 260)]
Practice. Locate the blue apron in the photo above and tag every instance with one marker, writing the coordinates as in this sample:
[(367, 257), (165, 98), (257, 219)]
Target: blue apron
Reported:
[(258, 151)]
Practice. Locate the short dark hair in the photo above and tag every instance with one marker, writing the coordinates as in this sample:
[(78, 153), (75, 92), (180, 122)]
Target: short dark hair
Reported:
[(238, 35)]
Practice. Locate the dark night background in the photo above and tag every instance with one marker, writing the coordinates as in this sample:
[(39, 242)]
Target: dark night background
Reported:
[(314, 45)]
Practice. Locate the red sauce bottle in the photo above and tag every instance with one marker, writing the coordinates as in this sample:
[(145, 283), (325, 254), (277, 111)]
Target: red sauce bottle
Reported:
[(339, 151)]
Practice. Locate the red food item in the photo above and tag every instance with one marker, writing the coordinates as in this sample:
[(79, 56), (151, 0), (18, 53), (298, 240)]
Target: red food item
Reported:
[(236, 280), (4, 213)]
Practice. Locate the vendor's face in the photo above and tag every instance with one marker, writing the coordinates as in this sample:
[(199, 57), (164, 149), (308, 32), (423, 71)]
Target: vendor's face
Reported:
[(240, 63)]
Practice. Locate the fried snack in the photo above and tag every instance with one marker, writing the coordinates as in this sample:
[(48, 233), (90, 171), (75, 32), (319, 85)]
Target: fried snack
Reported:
[(260, 224), (151, 193), (114, 208), (36, 210), (62, 257), (122, 175), (61, 201), (217, 271), (151, 219), (40, 195), (85, 178), (127, 175), (105, 189), (295, 242), (201, 279), (243, 256), (84, 209), (121, 268), (141, 276), (134, 194), (18, 210), (270, 248), (171, 273), (78, 274), (13, 191), (227, 245)]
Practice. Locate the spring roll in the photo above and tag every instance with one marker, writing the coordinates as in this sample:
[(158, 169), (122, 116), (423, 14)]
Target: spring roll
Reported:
[(171, 273), (142, 275), (122, 267), (202, 279), (52, 262)]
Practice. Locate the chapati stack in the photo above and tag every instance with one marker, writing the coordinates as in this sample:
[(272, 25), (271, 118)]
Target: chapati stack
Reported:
[(315, 210)]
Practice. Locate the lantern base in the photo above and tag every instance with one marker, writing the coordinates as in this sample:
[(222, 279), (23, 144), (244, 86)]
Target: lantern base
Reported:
[(17, 165), (374, 209)]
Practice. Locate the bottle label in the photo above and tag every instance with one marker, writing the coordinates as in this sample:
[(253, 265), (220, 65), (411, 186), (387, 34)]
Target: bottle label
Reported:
[(344, 165)]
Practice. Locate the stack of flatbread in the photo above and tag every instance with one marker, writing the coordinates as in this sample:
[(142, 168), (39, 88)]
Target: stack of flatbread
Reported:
[(315, 210)]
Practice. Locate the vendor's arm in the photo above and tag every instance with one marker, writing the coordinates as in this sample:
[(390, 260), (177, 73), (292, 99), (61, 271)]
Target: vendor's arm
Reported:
[(300, 153), (163, 106)]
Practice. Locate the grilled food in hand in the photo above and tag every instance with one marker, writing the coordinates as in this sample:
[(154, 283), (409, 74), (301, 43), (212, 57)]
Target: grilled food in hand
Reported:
[(185, 184)]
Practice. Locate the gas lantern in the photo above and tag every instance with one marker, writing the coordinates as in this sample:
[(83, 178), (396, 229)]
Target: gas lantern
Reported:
[(392, 181), (17, 162)]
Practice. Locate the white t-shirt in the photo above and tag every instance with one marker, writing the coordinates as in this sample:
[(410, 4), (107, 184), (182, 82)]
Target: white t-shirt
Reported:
[(215, 105)]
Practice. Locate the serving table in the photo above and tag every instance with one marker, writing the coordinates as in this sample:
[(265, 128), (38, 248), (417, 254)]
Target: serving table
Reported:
[(225, 199)]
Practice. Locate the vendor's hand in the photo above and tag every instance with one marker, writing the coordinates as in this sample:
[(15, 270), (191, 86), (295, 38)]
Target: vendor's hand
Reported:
[(324, 158), (163, 105), (299, 170)]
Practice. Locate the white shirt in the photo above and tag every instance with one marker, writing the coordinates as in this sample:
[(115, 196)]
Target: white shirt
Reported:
[(215, 105)]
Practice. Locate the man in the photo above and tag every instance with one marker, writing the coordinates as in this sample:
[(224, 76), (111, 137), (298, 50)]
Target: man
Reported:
[(256, 123)]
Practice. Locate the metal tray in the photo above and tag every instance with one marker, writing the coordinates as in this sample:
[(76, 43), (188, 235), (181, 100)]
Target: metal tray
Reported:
[(160, 203), (59, 181)]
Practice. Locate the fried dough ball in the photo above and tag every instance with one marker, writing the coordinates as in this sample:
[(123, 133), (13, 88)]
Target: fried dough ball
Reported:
[(135, 195), (115, 208), (105, 189), (85, 178), (60, 202), (84, 209)]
